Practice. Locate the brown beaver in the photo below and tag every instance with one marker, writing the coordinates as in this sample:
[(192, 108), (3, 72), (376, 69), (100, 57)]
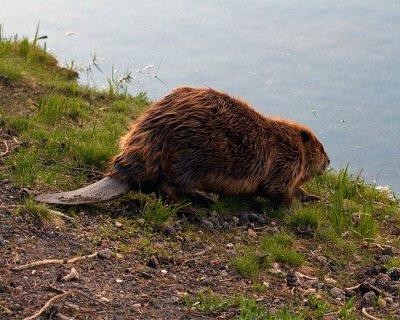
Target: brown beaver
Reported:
[(204, 140)]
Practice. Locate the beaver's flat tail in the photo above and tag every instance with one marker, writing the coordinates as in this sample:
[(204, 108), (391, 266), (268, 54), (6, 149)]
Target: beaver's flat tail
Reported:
[(103, 190)]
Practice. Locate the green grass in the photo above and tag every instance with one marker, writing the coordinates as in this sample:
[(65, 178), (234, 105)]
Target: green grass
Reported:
[(271, 248), (393, 262), (305, 221), (248, 264), (278, 248), (157, 213), (38, 213), (208, 302), (66, 130)]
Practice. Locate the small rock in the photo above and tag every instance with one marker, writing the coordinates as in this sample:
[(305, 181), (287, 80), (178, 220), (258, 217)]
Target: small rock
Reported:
[(369, 298), (388, 250), (337, 293), (3, 242), (225, 225), (251, 233), (229, 245), (104, 299), (235, 220), (119, 280), (105, 254), (163, 271), (394, 274), (292, 280), (153, 262), (330, 281), (169, 231), (118, 224), (207, 223), (214, 220), (311, 283), (253, 217), (381, 303), (146, 275), (243, 217), (389, 300)]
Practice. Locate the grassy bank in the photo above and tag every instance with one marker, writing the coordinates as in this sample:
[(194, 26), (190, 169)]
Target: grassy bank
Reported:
[(59, 135)]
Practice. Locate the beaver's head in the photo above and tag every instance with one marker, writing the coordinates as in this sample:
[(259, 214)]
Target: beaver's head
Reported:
[(315, 156)]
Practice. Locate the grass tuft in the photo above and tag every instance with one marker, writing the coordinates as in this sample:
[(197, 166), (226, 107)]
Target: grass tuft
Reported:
[(38, 213), (207, 302), (157, 213)]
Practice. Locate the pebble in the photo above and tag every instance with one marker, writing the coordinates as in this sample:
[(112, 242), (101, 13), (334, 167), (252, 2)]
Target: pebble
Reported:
[(394, 274), (381, 302), (163, 271), (105, 254), (153, 262), (169, 231), (337, 293), (251, 233), (389, 300), (311, 283), (235, 220), (388, 250), (3, 242), (369, 298), (229, 245), (258, 218), (104, 299), (119, 280), (207, 223), (243, 217), (330, 281)]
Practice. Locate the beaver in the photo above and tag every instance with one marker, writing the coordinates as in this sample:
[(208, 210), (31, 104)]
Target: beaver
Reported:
[(201, 139)]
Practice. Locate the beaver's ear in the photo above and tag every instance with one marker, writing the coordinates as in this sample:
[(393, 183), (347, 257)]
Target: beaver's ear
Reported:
[(305, 136)]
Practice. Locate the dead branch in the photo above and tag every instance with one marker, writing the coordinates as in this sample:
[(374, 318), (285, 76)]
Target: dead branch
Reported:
[(53, 261), (302, 275), (49, 304), (60, 214), (71, 276), (365, 313), (7, 150)]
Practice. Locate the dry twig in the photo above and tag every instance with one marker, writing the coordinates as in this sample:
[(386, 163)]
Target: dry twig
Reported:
[(53, 261), (365, 313), (7, 150), (50, 303)]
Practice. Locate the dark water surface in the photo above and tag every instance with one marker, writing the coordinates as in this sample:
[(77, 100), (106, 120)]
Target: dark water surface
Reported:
[(334, 66)]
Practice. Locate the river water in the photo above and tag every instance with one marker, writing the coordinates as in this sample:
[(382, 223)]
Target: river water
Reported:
[(333, 65)]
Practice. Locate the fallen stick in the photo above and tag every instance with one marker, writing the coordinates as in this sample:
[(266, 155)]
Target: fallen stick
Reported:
[(49, 304), (7, 150), (62, 215), (302, 275), (365, 313), (71, 276), (53, 261)]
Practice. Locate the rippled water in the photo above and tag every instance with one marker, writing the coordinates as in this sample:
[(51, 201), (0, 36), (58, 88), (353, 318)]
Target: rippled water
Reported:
[(332, 65)]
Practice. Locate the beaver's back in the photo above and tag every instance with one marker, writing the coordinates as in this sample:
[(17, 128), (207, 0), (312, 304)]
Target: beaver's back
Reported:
[(207, 140)]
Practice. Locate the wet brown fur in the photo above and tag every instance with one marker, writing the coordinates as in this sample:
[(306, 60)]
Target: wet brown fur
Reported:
[(205, 140)]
